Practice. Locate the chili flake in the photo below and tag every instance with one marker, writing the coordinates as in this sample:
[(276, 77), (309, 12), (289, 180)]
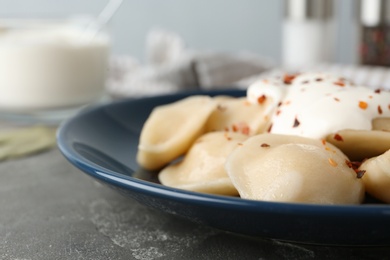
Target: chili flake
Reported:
[(360, 173), (296, 122), (339, 83), (380, 110), (377, 91), (265, 145), (269, 128), (332, 162), (323, 141), (245, 130), (280, 103), (278, 112), (353, 165), (319, 79), (338, 137), (337, 99), (261, 99), (288, 78), (227, 136), (363, 105)]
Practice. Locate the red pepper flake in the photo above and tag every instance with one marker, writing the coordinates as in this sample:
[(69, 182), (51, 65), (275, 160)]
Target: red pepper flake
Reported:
[(380, 109), (288, 78), (280, 103), (377, 91), (388, 107), (329, 149), (339, 83), (337, 99), (240, 144), (264, 145), (247, 103), (226, 129), (319, 79), (241, 127), (363, 105), (332, 162), (355, 166), (338, 137), (245, 130), (261, 99), (296, 122), (370, 97), (288, 102), (323, 141), (265, 81), (360, 173), (269, 128), (278, 112), (348, 163), (227, 136)]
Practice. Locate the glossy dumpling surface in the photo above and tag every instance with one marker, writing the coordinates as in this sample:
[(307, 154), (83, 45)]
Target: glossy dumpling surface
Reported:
[(239, 115), (202, 168), (171, 129), (376, 176), (285, 168)]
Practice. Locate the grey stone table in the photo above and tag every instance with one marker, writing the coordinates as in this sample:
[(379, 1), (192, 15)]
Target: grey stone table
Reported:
[(51, 210)]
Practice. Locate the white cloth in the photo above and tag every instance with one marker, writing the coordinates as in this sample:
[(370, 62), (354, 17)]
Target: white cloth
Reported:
[(171, 67)]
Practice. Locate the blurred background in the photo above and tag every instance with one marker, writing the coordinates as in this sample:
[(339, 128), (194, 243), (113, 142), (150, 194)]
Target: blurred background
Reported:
[(253, 25), (154, 47)]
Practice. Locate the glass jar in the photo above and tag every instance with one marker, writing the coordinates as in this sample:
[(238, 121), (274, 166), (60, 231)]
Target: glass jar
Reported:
[(49, 68)]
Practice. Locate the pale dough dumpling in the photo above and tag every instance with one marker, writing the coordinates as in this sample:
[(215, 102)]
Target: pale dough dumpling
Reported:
[(377, 176), (171, 129), (202, 169), (381, 123), (360, 144), (239, 115), (285, 168)]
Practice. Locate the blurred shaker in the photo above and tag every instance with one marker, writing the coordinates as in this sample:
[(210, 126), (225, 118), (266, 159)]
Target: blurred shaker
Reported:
[(308, 33), (374, 39)]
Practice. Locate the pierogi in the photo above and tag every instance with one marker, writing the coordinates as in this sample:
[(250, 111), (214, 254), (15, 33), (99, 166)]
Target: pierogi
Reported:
[(202, 169), (297, 138), (272, 167), (361, 144), (377, 176), (239, 115), (171, 129)]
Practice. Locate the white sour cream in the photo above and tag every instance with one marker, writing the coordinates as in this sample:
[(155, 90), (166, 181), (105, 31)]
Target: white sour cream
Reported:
[(315, 105), (47, 66)]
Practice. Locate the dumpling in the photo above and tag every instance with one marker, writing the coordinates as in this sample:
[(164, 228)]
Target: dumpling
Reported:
[(285, 168), (361, 144), (377, 176), (171, 129), (239, 115), (202, 169)]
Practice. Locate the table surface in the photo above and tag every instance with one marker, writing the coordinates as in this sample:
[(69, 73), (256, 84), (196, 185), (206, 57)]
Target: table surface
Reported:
[(51, 210)]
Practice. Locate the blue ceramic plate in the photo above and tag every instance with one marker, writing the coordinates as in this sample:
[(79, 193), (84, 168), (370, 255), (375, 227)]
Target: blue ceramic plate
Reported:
[(102, 142)]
